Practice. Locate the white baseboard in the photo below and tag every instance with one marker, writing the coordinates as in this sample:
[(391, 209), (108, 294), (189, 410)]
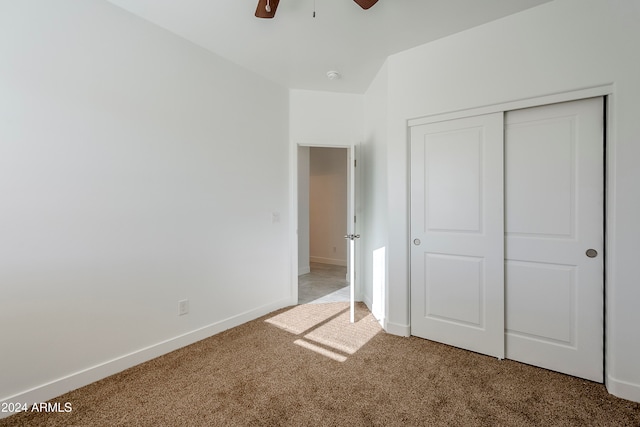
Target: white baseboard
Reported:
[(623, 389), (304, 270), (367, 301), (331, 261), (55, 388), (397, 329)]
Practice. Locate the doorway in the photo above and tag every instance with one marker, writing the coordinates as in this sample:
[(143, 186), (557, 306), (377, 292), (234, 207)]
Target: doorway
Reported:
[(323, 209)]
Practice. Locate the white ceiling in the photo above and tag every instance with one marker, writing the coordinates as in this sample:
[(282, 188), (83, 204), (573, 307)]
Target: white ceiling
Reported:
[(296, 50)]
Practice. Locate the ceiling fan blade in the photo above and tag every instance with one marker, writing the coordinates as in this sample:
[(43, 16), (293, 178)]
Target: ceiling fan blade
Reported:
[(261, 10), (366, 4)]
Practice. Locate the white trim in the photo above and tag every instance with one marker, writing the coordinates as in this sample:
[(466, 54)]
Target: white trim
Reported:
[(304, 270), (615, 387), (623, 389), (87, 376), (323, 144), (293, 222), (396, 329), (331, 261), (554, 98), (369, 303)]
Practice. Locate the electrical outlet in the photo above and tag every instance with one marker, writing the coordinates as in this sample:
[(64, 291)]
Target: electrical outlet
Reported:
[(183, 307)]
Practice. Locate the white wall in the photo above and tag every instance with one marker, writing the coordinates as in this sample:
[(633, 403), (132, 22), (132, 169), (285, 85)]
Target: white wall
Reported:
[(557, 47), (303, 210), (373, 154), (136, 169), (325, 118), (328, 207)]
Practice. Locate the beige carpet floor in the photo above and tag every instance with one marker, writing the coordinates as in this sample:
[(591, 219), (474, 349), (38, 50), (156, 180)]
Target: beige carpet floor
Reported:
[(308, 366)]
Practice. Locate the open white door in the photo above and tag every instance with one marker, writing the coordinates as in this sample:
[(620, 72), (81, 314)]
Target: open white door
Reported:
[(352, 235), (457, 256)]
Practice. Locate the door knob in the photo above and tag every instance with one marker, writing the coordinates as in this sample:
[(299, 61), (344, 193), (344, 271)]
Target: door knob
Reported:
[(416, 242), (592, 253)]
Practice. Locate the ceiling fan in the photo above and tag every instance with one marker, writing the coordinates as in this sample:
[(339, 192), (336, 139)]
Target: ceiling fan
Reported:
[(267, 8)]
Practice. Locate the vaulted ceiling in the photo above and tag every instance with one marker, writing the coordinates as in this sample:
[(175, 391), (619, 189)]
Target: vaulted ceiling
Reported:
[(296, 49)]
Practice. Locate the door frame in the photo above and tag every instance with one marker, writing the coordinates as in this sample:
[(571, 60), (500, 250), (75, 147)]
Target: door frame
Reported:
[(605, 91), (352, 154)]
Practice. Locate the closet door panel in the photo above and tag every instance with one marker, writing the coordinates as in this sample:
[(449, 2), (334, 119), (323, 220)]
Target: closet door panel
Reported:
[(554, 197), (457, 256)]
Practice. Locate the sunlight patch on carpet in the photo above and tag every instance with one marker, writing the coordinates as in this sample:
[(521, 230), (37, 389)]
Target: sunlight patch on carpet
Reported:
[(326, 329), (302, 318), (321, 350), (342, 335)]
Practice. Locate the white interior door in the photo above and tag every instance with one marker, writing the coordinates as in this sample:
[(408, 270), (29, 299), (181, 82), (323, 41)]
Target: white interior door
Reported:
[(352, 236), (553, 216), (457, 258)]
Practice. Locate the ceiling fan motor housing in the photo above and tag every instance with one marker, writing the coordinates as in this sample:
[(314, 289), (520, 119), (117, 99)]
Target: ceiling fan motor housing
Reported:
[(366, 4)]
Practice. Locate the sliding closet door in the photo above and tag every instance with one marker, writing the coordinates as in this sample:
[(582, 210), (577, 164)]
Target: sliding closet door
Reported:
[(457, 258), (554, 237)]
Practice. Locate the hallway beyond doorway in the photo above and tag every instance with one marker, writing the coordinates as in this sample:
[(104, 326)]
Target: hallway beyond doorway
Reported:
[(325, 283)]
